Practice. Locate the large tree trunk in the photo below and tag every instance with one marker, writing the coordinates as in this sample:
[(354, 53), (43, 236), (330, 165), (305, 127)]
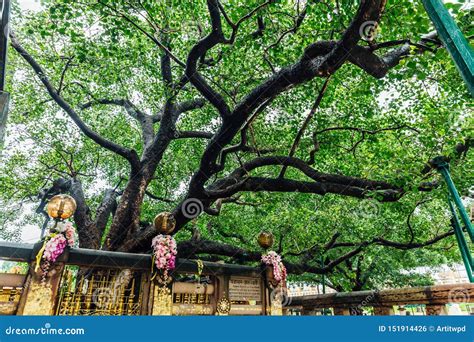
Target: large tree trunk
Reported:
[(126, 220), (88, 232)]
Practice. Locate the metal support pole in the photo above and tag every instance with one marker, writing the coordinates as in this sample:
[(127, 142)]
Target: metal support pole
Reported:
[(4, 41), (464, 249), (443, 167), (441, 164), (453, 39)]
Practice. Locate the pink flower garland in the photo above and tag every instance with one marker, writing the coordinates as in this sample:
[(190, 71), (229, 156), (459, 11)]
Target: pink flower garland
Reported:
[(164, 250), (54, 246), (274, 260)]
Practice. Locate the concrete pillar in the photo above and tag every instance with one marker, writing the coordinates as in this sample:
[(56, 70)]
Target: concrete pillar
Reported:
[(341, 311), (383, 310), (435, 310)]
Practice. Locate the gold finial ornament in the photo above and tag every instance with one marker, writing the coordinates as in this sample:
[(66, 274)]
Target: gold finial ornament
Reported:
[(61, 207), (265, 239), (165, 223)]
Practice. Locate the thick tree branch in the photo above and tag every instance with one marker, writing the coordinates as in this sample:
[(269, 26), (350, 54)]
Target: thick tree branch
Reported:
[(198, 51), (89, 235), (128, 154), (106, 209), (145, 120), (193, 134), (310, 115)]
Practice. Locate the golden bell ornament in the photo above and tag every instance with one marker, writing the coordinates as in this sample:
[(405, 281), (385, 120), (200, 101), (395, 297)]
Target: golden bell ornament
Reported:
[(165, 223), (61, 207), (265, 239)]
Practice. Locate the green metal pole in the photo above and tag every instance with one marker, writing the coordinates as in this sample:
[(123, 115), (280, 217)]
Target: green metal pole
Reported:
[(465, 253), (443, 168), (464, 257), (453, 39)]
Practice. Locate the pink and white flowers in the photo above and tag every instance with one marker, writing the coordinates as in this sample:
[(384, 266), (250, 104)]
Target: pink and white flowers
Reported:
[(164, 250), (70, 234), (273, 259), (55, 246), (63, 235)]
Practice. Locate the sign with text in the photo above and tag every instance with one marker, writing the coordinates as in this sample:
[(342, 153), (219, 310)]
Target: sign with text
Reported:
[(245, 289)]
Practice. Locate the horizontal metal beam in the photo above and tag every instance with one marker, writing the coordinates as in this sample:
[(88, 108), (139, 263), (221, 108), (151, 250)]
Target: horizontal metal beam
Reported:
[(108, 259), (15, 251)]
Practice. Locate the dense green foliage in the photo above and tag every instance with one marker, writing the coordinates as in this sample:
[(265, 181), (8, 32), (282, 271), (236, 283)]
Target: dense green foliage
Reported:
[(423, 103)]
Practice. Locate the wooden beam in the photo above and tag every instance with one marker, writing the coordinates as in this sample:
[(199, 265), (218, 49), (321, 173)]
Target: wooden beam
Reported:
[(12, 280), (430, 295)]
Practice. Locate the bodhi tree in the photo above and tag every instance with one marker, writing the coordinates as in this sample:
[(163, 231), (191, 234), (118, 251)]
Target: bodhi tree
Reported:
[(238, 115)]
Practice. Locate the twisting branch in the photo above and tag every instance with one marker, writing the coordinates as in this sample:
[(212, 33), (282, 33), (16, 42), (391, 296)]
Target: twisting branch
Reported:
[(63, 74), (115, 12), (235, 26), (158, 198), (128, 154), (242, 145), (305, 124), (216, 211), (409, 225), (193, 134), (319, 59), (198, 51), (260, 27), (239, 180), (298, 20), (363, 133), (145, 120)]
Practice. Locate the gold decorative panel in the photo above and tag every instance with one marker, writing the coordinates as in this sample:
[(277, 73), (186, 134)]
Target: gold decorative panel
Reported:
[(39, 300), (9, 298), (162, 301), (108, 292), (184, 298)]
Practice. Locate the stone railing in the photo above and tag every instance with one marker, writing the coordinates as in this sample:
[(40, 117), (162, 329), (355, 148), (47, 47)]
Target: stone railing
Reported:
[(91, 282), (434, 299)]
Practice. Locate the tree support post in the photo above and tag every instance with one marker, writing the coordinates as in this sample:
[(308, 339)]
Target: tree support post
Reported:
[(453, 39), (441, 164), (4, 96)]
